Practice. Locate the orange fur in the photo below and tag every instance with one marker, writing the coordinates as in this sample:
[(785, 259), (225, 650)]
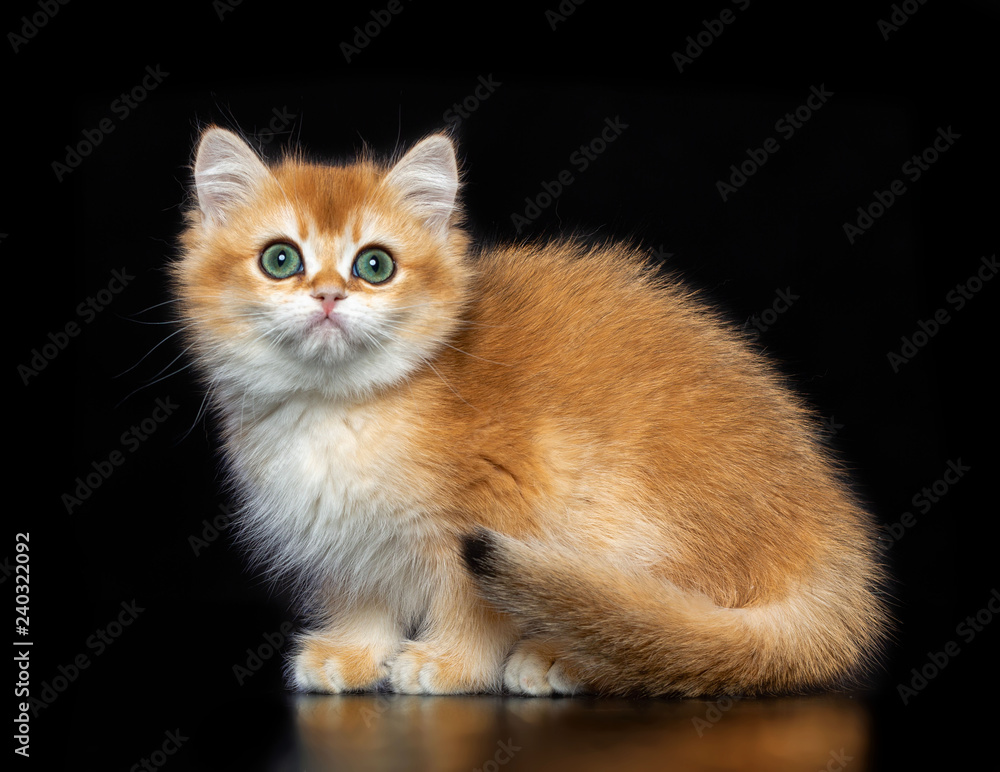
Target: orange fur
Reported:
[(656, 503)]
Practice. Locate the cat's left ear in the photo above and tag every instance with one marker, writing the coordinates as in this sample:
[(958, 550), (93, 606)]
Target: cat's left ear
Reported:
[(427, 177)]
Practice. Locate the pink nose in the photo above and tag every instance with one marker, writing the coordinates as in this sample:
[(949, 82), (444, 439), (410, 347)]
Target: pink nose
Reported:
[(328, 298)]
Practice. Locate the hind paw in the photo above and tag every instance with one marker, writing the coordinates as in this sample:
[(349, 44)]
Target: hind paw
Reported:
[(535, 668)]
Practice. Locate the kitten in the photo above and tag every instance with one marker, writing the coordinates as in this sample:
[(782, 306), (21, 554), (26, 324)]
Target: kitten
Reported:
[(543, 467)]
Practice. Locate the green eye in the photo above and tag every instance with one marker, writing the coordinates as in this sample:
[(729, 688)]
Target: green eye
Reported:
[(281, 261), (374, 266)]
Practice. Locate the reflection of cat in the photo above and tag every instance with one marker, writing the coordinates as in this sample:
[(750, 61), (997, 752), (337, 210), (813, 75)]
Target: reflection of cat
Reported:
[(643, 507)]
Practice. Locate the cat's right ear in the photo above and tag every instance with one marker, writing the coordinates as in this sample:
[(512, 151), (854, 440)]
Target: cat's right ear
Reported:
[(226, 171), (427, 178)]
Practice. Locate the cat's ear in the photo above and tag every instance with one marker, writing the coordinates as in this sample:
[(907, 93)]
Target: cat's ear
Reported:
[(226, 171), (427, 177)]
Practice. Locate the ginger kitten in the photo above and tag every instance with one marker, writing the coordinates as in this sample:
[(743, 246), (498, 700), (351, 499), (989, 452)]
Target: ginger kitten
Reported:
[(542, 466)]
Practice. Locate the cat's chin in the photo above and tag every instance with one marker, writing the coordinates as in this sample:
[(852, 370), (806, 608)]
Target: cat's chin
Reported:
[(329, 334), (333, 342)]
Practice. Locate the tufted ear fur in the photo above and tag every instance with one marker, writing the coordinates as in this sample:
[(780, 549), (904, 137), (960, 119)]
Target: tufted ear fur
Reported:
[(226, 170), (427, 177)]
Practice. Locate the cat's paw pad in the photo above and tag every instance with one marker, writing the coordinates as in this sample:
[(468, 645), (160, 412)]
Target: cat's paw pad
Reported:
[(535, 669), (321, 665), (421, 668)]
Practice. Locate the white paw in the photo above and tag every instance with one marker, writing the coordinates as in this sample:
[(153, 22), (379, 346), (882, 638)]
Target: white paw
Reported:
[(324, 677), (324, 665), (423, 668), (532, 669), (412, 672)]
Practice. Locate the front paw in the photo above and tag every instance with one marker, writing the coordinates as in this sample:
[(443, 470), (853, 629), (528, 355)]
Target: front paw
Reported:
[(326, 665), (423, 667), (535, 668)]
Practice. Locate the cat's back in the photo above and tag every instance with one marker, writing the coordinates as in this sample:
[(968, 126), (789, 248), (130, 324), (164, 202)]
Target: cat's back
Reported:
[(598, 330)]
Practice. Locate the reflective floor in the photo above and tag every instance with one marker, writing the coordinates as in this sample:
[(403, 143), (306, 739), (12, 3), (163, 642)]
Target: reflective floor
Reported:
[(396, 732)]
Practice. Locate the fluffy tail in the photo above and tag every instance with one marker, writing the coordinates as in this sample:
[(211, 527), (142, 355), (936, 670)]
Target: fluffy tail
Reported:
[(636, 634)]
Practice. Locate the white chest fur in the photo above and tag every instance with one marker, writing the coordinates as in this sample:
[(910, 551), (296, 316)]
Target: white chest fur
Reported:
[(328, 502)]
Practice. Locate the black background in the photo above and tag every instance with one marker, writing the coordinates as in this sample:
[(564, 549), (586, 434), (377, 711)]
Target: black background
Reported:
[(120, 208)]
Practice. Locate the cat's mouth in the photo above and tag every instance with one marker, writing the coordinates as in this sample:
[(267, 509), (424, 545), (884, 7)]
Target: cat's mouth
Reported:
[(323, 323)]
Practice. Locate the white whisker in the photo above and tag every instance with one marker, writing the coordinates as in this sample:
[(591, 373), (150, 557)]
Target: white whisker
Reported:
[(176, 332)]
